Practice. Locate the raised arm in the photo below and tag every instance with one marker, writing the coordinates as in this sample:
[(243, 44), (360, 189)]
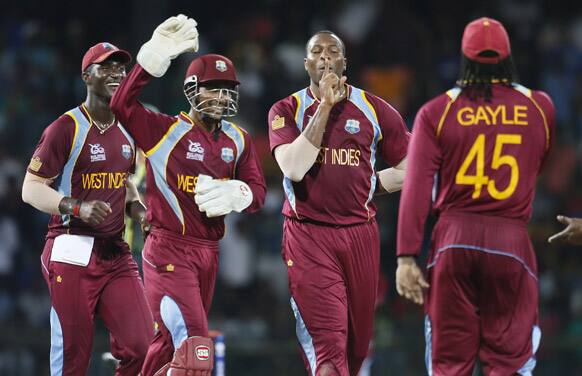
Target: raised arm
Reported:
[(173, 37)]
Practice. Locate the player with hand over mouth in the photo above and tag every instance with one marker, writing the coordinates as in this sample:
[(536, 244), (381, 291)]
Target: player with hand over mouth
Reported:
[(326, 139)]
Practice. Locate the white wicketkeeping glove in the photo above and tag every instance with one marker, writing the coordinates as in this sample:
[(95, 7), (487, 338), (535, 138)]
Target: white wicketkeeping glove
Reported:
[(219, 197), (172, 37)]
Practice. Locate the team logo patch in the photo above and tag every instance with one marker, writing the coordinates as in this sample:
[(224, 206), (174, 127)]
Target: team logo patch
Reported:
[(195, 151), (352, 126), (278, 122), (202, 352), (221, 65), (35, 164), (107, 46), (227, 155), (126, 151), (97, 152)]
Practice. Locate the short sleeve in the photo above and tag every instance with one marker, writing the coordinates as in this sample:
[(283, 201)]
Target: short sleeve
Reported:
[(395, 135), (282, 126), (53, 149)]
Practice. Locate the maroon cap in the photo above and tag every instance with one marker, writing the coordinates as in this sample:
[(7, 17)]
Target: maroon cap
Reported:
[(100, 52), (212, 67), (485, 34)]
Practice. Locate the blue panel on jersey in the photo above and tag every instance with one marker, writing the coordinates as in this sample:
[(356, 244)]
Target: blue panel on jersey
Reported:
[(159, 162), (304, 102), (290, 193), (129, 138), (454, 93), (236, 136), (82, 129), (357, 97), (522, 89)]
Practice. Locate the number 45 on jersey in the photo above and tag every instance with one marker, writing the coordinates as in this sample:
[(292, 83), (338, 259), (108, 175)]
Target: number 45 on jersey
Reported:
[(479, 180)]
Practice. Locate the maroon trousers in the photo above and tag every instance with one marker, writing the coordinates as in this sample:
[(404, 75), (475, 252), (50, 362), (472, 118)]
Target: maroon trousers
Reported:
[(333, 278), (179, 273), (483, 297), (109, 286)]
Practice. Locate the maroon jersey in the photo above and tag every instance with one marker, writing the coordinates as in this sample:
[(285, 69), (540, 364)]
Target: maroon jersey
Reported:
[(91, 165), (177, 151), (339, 187), (475, 156)]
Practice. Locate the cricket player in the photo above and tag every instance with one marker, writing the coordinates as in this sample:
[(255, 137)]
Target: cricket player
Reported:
[(200, 167), (79, 174), (476, 150), (326, 139)]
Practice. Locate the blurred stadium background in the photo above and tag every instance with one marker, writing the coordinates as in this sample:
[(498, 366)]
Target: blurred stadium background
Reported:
[(404, 51)]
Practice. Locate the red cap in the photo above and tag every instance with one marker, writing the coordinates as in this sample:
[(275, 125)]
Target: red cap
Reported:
[(212, 67), (485, 34), (100, 52)]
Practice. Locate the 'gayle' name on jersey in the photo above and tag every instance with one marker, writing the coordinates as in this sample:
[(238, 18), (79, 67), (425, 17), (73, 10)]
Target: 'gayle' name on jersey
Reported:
[(487, 115)]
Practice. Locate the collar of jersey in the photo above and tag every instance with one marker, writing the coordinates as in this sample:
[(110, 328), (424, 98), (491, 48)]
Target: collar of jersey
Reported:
[(85, 113), (348, 88), (187, 118)]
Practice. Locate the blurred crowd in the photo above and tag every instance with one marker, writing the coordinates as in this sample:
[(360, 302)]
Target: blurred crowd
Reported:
[(404, 51)]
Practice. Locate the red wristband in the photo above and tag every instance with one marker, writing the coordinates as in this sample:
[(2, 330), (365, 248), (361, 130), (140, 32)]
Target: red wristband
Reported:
[(77, 208)]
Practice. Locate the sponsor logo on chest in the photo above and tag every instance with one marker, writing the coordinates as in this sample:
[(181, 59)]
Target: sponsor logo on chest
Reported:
[(227, 155), (195, 151), (352, 126), (97, 152)]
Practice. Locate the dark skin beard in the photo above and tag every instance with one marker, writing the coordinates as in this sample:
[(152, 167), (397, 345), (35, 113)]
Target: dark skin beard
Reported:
[(211, 125)]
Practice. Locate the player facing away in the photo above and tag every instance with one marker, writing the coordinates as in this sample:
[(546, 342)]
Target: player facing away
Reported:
[(476, 150), (79, 174), (326, 139), (200, 167)]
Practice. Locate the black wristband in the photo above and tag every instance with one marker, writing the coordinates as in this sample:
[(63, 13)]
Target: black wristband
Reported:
[(128, 206), (129, 209)]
